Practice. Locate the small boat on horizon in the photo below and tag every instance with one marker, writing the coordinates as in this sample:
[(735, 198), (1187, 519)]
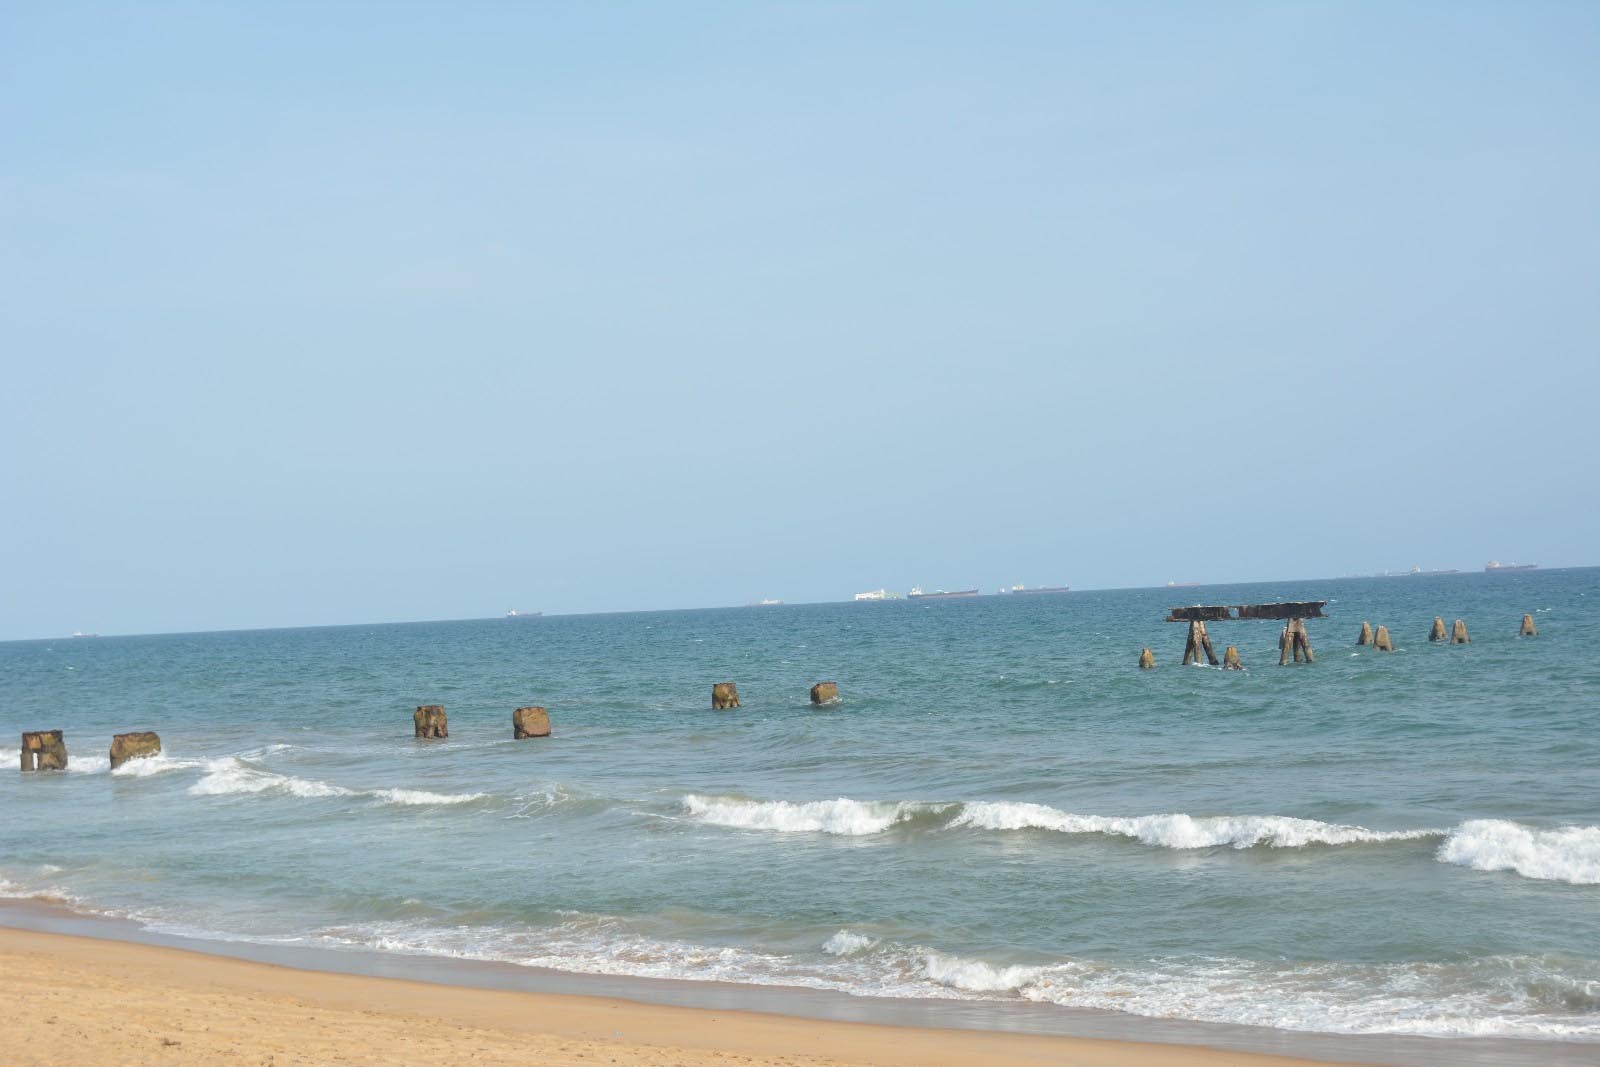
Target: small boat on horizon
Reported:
[(1494, 566), (515, 614), (1182, 585)]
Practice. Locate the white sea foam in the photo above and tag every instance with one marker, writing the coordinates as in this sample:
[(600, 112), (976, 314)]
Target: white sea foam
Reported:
[(231, 776), (149, 766), (1566, 854), (847, 943), (1178, 830), (851, 818), (85, 764)]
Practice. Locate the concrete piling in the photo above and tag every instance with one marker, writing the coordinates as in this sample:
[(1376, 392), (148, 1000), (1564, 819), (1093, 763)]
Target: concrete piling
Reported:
[(530, 722), (1528, 628), (1294, 640), (141, 745), (431, 721), (825, 692), (1380, 640), (1458, 634), (1437, 633), (1230, 659), (1147, 659), (724, 695), (1365, 637), (1199, 641), (44, 750)]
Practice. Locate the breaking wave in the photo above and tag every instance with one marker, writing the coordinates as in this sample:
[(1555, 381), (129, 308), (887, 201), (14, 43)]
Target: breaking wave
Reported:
[(1566, 854), (850, 818), (231, 776)]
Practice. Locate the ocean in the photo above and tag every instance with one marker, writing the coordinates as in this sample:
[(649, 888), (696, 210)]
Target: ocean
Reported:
[(1000, 809)]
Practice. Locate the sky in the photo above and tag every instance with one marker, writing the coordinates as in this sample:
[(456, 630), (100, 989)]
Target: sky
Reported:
[(333, 313)]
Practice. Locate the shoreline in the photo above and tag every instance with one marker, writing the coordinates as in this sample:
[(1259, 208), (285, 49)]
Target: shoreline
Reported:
[(108, 1002), (36, 935)]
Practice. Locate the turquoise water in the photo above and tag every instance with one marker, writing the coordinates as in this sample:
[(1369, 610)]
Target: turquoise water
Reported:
[(1001, 807)]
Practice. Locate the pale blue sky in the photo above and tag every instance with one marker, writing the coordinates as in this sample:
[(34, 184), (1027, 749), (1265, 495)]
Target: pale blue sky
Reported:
[(336, 313)]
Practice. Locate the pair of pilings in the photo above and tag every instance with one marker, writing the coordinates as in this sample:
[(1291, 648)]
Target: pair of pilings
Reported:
[(725, 695), (432, 723), (46, 750)]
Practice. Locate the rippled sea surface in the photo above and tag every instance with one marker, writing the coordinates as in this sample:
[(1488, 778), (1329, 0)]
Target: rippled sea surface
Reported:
[(1001, 806)]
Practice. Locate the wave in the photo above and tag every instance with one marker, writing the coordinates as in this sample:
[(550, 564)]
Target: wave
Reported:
[(850, 818), (1567, 854), (1180, 831), (232, 776)]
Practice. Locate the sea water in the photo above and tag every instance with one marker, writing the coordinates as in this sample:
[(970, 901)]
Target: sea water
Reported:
[(1000, 807)]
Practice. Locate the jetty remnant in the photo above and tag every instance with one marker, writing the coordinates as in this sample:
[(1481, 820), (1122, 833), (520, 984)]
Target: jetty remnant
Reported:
[(1230, 659), (1293, 640), (140, 745), (530, 722), (1458, 634), (824, 692), (724, 695), (1365, 637), (1147, 659), (431, 721), (1528, 628), (1380, 640), (1437, 633), (44, 750)]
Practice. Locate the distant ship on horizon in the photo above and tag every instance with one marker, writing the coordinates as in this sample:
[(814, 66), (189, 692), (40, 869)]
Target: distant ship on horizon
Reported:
[(1182, 585), (878, 594), (1494, 566), (939, 594), (1039, 589), (515, 614)]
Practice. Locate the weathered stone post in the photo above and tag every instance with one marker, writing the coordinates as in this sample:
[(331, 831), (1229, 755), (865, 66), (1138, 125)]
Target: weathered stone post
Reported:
[(1458, 634), (1528, 628), (1380, 640), (1198, 641), (431, 721), (824, 692), (125, 747), (1437, 633), (1294, 639), (1147, 659), (44, 750), (1230, 659), (1365, 637), (724, 695), (530, 722)]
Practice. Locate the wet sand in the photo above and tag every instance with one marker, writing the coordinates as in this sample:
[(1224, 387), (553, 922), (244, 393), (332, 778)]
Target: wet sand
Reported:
[(90, 1002)]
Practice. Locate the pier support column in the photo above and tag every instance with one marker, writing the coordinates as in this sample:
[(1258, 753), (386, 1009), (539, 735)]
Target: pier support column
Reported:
[(431, 722), (44, 750), (1230, 659), (1147, 659), (529, 722), (1365, 638), (825, 692), (1437, 633), (724, 695), (1199, 641), (1293, 641), (1458, 634), (125, 747), (1380, 640), (1528, 628)]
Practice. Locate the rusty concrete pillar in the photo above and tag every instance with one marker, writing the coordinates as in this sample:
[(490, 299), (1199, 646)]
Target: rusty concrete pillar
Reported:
[(1380, 640), (1458, 634), (1230, 659), (44, 750), (431, 721), (1365, 637), (825, 692), (125, 747), (531, 721), (724, 695), (1528, 628), (1437, 633), (1147, 659)]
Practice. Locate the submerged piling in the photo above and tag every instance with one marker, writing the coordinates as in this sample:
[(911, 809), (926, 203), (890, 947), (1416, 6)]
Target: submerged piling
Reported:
[(1199, 641), (125, 747), (724, 695), (1437, 633), (1365, 637), (824, 692), (1147, 659), (1380, 640), (530, 722), (431, 722), (1458, 634), (1528, 628), (1230, 659), (44, 750)]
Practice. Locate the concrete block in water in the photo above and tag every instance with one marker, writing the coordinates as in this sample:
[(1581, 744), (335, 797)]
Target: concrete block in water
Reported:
[(530, 722), (431, 721), (44, 750), (1380, 640), (824, 692), (1230, 659), (1437, 633), (1458, 634), (1528, 628), (724, 695), (1365, 637), (1147, 659), (141, 745)]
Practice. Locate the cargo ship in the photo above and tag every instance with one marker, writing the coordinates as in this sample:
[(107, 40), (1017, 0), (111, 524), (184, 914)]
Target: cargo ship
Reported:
[(1182, 585), (939, 594), (878, 594), (515, 614), (1040, 589), (1494, 566)]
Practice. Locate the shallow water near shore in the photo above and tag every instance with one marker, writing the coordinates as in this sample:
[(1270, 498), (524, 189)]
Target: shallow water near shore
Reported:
[(1001, 809)]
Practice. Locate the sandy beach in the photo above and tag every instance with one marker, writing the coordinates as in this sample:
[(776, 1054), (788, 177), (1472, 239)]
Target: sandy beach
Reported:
[(88, 1002)]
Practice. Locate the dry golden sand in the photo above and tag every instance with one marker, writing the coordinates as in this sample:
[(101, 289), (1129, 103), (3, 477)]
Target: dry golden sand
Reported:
[(87, 1003)]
